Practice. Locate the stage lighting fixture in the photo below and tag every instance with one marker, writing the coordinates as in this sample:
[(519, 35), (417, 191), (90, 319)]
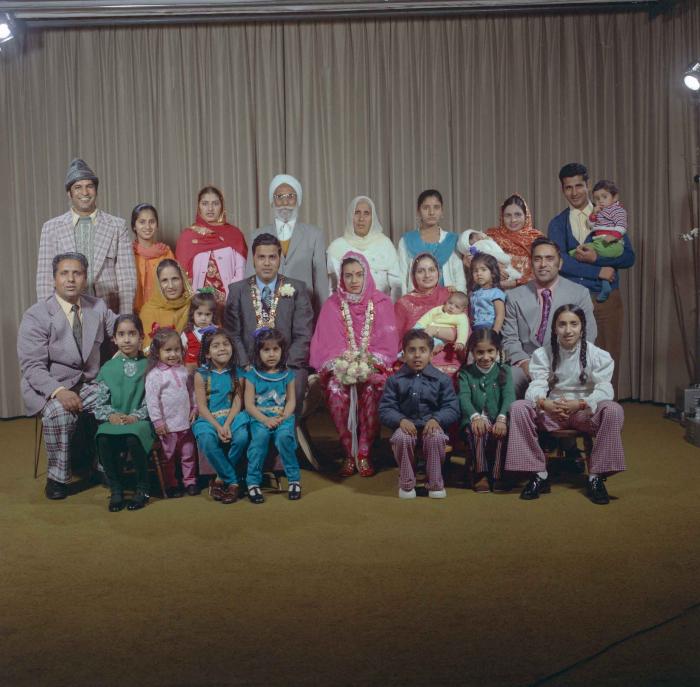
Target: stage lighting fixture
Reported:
[(7, 27), (691, 78)]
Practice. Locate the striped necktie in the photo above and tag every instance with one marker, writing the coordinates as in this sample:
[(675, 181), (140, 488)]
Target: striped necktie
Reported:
[(77, 328), (546, 307), (266, 298)]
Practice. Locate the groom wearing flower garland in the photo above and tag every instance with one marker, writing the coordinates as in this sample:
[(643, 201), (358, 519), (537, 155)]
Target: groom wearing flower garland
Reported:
[(269, 299)]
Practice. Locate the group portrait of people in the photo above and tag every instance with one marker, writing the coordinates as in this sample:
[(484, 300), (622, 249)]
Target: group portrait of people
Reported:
[(495, 338)]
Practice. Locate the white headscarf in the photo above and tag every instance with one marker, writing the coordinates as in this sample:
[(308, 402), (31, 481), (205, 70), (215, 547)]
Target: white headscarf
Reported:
[(375, 233)]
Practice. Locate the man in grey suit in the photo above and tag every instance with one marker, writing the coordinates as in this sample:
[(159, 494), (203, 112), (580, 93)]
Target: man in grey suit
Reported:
[(303, 245), (103, 239), (271, 299), (58, 346), (525, 329)]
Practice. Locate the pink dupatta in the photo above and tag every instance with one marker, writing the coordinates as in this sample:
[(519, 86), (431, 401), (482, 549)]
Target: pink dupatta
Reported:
[(330, 339)]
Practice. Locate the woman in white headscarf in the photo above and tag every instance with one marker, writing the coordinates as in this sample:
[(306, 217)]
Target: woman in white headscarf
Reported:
[(364, 234)]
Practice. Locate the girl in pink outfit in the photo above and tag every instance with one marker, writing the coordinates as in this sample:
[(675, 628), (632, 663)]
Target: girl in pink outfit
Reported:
[(353, 348), (171, 407)]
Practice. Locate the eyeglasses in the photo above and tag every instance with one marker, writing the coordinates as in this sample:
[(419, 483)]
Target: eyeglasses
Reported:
[(285, 196)]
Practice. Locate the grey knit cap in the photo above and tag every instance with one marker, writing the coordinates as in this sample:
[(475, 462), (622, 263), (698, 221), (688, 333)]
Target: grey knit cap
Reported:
[(79, 171)]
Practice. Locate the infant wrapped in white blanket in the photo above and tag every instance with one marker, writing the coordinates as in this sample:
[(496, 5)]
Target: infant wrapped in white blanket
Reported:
[(472, 242)]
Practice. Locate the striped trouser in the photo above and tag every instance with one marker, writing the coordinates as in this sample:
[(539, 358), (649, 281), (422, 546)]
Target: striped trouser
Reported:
[(59, 426), (404, 447), (484, 447), (526, 455)]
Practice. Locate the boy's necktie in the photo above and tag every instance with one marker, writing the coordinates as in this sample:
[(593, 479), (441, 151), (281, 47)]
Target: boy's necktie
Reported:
[(77, 328)]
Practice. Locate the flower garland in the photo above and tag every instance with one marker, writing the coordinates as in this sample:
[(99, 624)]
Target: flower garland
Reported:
[(356, 364), (266, 319)]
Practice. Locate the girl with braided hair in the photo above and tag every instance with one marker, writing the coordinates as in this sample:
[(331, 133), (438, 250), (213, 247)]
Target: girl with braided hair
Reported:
[(570, 389)]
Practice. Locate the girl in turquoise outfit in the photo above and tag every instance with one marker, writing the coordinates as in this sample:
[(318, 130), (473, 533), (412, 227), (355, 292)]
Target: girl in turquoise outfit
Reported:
[(122, 413), (270, 402), (221, 430)]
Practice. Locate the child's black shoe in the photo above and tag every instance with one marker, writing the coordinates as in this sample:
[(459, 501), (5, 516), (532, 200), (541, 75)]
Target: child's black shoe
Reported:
[(139, 500), (116, 502)]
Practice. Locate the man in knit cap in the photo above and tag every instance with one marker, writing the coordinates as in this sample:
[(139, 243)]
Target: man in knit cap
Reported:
[(103, 239), (303, 245)]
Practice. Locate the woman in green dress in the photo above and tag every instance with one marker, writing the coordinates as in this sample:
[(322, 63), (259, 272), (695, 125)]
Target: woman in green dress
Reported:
[(122, 413)]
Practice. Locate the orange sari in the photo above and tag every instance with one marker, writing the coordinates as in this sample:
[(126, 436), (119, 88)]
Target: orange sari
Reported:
[(517, 243)]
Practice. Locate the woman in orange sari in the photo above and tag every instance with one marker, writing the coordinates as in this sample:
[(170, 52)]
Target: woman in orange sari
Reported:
[(515, 235), (148, 252)]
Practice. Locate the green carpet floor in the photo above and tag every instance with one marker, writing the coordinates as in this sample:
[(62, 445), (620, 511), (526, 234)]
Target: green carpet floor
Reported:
[(352, 586)]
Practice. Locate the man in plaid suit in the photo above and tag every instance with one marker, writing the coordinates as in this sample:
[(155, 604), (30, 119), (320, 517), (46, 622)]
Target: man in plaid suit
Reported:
[(58, 346), (103, 239)]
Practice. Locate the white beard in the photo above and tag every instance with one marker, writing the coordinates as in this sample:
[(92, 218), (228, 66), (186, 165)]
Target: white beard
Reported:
[(285, 214)]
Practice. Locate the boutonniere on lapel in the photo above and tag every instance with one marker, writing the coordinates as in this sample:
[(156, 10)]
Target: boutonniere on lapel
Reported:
[(286, 290)]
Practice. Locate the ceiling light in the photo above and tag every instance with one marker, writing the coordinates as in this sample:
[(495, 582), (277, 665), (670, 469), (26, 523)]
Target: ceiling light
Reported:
[(7, 27)]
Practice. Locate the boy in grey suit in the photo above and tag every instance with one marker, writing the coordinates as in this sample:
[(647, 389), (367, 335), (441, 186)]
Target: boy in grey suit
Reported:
[(303, 246), (58, 346), (530, 308)]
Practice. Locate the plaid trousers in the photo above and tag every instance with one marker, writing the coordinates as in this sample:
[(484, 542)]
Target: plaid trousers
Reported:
[(59, 426), (404, 447), (526, 455)]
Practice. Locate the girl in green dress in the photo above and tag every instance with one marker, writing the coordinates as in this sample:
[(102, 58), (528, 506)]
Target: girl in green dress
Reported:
[(121, 410)]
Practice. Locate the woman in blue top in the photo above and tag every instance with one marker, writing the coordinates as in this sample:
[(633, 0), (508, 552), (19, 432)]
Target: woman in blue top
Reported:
[(430, 237), (270, 401)]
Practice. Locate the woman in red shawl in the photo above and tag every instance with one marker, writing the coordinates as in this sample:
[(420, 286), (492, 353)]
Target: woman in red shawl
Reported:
[(353, 348), (211, 251), (515, 235), (427, 294)]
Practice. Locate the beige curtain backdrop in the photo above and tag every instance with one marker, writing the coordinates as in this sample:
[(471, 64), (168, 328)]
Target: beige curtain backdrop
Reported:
[(478, 107)]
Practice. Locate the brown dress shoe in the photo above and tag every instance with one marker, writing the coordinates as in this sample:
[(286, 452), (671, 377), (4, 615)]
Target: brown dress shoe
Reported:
[(216, 489), (481, 486), (230, 494)]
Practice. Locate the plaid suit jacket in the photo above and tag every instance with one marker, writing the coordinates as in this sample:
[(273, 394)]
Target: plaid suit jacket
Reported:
[(114, 268)]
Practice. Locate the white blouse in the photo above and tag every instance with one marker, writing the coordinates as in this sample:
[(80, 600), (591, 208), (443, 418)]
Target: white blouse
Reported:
[(452, 270), (599, 368)]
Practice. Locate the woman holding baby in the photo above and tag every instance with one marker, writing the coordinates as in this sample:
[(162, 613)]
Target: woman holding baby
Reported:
[(513, 238)]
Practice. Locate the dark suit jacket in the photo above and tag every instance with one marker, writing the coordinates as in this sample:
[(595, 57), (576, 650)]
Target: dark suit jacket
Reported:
[(585, 273), (294, 318), (305, 260), (47, 352)]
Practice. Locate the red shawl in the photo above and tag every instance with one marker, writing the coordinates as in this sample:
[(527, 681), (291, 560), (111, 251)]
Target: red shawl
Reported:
[(411, 307), (517, 243), (220, 235)]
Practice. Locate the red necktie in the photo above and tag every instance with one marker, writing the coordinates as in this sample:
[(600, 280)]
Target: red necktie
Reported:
[(546, 307)]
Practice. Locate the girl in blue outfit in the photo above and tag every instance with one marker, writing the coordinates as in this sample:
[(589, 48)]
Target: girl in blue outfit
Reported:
[(270, 402), (486, 297), (221, 429)]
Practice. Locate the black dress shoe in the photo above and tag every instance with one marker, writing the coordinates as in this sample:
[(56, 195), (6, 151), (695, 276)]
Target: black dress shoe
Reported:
[(597, 492), (535, 486), (139, 500), (116, 502), (55, 490), (193, 490), (255, 495)]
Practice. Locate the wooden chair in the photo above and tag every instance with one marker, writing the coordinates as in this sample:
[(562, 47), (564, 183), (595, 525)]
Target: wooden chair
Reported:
[(38, 440), (312, 402), (568, 434)]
